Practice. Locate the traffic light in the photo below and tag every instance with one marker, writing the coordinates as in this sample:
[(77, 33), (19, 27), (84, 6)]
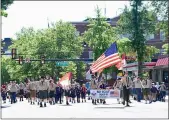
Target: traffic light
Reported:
[(20, 60), (42, 59), (27, 60), (2, 51), (14, 54)]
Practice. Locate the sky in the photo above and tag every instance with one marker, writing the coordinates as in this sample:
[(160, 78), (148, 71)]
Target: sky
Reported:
[(37, 13)]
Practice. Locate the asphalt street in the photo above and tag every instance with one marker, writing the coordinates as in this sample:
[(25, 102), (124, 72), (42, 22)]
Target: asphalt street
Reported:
[(86, 110)]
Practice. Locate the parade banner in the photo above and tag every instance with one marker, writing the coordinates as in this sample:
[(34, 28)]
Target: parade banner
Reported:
[(104, 94)]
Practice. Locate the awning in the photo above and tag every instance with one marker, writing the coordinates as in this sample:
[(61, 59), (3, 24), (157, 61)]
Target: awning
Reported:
[(134, 66), (147, 64), (162, 62)]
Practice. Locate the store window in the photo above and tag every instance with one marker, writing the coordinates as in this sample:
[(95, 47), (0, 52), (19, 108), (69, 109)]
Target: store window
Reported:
[(165, 76), (162, 35)]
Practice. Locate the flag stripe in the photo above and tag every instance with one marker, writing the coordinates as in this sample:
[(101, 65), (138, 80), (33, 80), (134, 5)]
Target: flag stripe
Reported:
[(104, 61), (107, 65), (108, 58)]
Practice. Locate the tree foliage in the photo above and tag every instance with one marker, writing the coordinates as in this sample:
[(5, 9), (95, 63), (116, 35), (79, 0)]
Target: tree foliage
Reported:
[(100, 35), (161, 9), (5, 76), (57, 42), (137, 22), (4, 6), (165, 47)]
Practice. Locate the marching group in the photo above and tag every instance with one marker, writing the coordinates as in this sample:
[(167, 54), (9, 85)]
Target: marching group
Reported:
[(140, 89), (47, 91), (43, 91)]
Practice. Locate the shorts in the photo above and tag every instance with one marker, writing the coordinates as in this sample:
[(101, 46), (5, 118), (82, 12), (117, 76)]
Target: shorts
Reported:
[(43, 94), (28, 95), (146, 91), (32, 93), (51, 94), (21, 92)]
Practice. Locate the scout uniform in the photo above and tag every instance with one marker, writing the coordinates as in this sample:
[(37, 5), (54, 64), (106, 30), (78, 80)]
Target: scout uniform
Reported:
[(43, 87), (83, 93), (13, 91), (58, 94), (4, 93), (67, 94), (21, 91), (73, 93), (78, 91), (93, 86), (32, 88), (52, 87)]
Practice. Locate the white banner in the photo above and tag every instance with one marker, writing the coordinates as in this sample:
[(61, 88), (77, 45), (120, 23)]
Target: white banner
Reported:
[(103, 94)]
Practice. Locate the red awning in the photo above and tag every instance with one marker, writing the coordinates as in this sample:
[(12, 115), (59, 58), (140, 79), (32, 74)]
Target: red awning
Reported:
[(162, 62)]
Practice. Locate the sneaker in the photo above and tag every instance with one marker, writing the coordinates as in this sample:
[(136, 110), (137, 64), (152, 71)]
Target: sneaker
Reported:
[(41, 105)]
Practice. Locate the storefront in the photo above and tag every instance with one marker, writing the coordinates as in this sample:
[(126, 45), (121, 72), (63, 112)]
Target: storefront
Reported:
[(160, 71), (133, 67)]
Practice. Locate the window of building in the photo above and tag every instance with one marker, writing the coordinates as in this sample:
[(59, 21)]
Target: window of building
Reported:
[(162, 51), (149, 37), (125, 36), (162, 35), (77, 33), (91, 55)]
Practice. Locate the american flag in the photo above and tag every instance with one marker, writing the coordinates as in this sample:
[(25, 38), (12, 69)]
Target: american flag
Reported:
[(109, 58)]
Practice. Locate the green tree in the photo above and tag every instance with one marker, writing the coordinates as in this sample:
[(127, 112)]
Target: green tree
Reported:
[(4, 6), (5, 77), (125, 47), (137, 22), (100, 35), (57, 42), (161, 9), (165, 47)]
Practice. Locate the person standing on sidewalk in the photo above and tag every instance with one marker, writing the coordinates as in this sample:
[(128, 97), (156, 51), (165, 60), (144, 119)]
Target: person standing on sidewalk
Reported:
[(83, 93), (93, 87), (118, 85), (154, 92), (13, 91), (137, 84), (126, 87), (4, 92), (21, 91), (146, 85), (73, 93), (162, 89), (67, 94), (78, 91), (43, 87), (52, 88), (32, 88)]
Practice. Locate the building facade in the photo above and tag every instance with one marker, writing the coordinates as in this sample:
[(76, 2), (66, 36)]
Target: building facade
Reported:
[(157, 40)]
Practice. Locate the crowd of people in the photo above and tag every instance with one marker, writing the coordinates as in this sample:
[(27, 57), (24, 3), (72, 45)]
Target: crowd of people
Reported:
[(140, 89), (46, 91), (43, 91)]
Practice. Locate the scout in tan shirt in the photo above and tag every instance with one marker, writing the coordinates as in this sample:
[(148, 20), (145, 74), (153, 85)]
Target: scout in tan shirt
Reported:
[(43, 89), (32, 87)]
